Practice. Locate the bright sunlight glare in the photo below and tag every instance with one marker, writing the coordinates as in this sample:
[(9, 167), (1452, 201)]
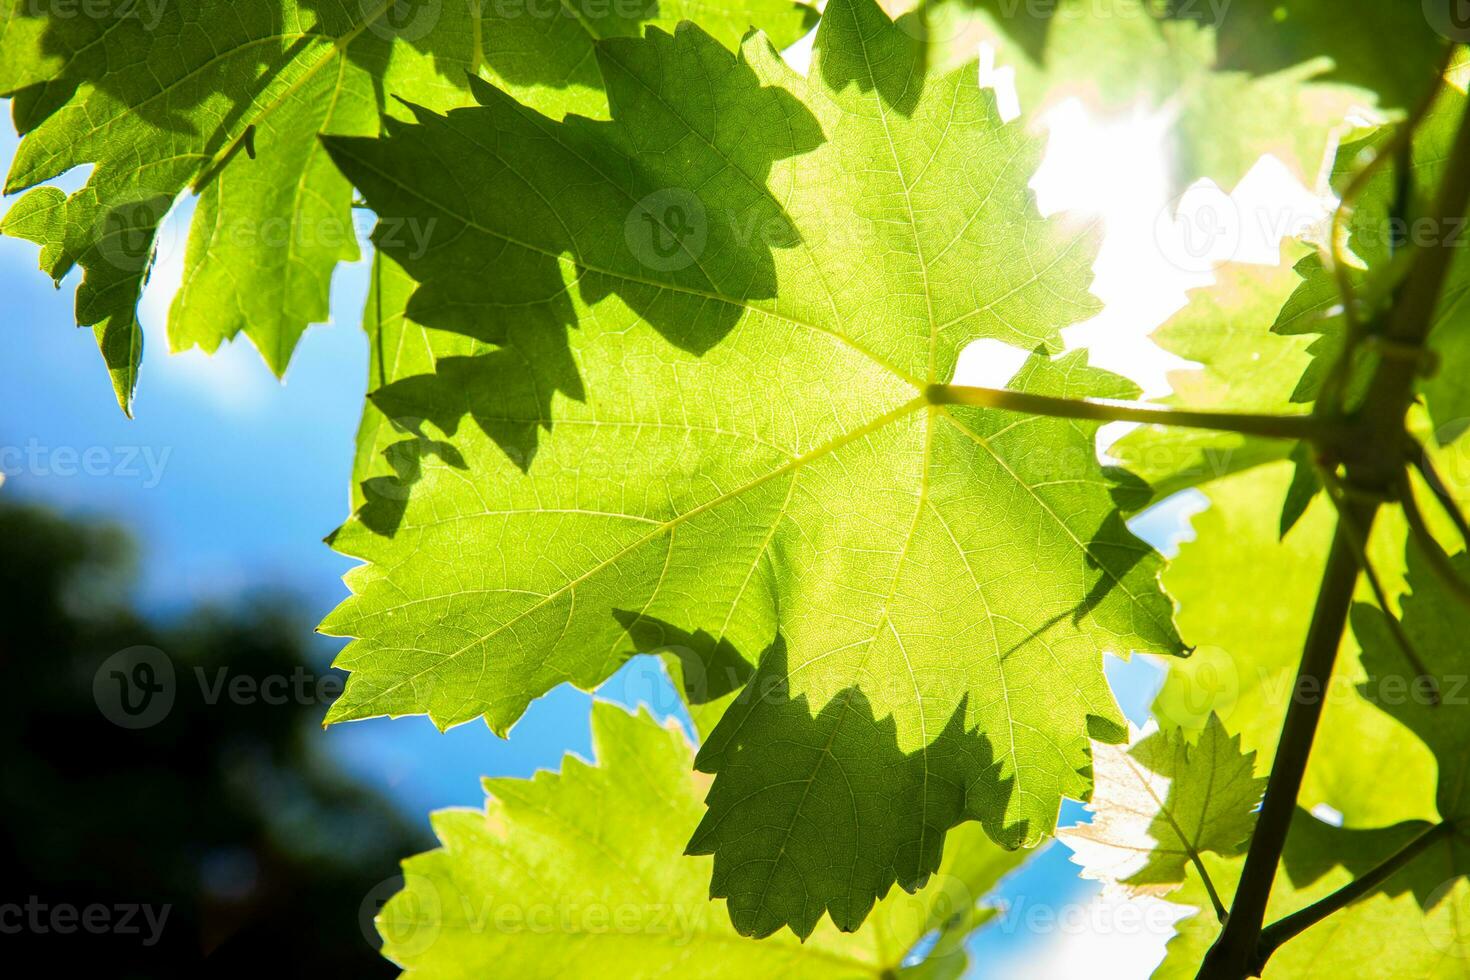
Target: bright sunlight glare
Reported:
[(1156, 247)]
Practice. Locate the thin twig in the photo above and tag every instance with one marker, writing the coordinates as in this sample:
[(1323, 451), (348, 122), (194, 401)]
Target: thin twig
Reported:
[(1359, 540), (1439, 560), (1279, 932), (1419, 456), (1204, 877), (1296, 427)]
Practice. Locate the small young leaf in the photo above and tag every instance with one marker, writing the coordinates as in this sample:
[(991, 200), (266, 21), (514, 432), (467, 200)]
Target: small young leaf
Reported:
[(1305, 484), (1378, 239), (1160, 802)]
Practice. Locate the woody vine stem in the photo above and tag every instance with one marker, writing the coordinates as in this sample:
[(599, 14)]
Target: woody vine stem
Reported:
[(1373, 465)]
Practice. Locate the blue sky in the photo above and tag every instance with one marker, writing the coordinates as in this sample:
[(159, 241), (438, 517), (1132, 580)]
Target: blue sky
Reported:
[(230, 480)]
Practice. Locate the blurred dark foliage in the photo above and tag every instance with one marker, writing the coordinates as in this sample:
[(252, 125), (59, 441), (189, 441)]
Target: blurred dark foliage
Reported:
[(223, 812)]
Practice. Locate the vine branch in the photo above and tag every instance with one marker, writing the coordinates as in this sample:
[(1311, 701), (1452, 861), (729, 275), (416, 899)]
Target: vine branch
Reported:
[(1400, 149), (1312, 428), (1375, 465), (1233, 955), (1359, 540)]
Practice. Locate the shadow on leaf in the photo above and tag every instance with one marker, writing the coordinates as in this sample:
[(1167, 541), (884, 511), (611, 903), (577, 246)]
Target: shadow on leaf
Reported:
[(524, 223), (855, 813)]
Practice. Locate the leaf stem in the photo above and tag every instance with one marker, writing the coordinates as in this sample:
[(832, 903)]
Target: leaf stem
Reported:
[(1283, 930), (1439, 561), (1359, 540), (1204, 877), (1419, 456), (1312, 428)]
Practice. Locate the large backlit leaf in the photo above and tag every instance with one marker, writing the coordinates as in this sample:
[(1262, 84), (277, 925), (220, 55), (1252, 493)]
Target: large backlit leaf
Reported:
[(1389, 52), (700, 417)]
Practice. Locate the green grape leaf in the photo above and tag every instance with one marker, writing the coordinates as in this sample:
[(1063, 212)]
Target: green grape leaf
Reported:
[(1306, 483), (230, 106), (389, 448), (579, 873), (1389, 52), (1160, 802), (1313, 310), (1245, 598), (1414, 927), (1226, 327), (1120, 56), (392, 441), (704, 418)]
